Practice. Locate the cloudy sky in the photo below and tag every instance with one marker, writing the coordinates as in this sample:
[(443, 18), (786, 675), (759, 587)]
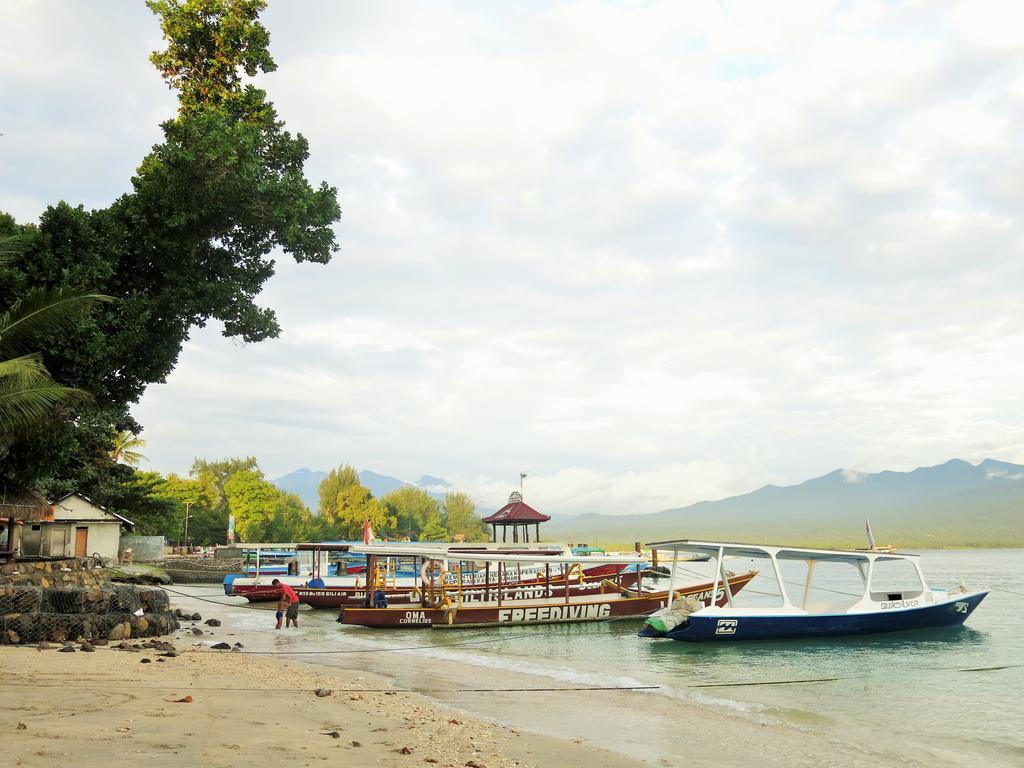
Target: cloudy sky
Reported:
[(648, 252)]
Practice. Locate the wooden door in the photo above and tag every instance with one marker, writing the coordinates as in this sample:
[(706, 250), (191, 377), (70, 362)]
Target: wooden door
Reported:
[(81, 542)]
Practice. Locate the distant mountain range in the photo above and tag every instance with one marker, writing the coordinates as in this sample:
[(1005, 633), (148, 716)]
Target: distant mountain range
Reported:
[(952, 504), (304, 482)]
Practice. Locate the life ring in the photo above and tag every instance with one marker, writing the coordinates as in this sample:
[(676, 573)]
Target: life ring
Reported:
[(432, 572)]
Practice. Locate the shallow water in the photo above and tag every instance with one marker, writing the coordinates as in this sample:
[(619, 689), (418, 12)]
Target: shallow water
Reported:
[(935, 691)]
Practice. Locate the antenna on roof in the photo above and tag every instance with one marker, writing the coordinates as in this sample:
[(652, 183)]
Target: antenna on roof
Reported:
[(522, 476)]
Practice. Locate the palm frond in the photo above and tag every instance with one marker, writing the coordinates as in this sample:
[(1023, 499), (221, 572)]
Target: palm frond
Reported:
[(11, 245), (24, 370), (124, 443), (25, 406), (42, 311)]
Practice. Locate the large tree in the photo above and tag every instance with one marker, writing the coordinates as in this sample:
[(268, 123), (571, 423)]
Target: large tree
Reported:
[(460, 517), (336, 481), (29, 397), (414, 509), (190, 243)]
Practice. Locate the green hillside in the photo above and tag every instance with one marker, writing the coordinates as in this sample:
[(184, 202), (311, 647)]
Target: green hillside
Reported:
[(955, 504)]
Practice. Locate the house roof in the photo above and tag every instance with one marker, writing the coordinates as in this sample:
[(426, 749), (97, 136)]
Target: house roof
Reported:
[(23, 506), (516, 511), (82, 496)]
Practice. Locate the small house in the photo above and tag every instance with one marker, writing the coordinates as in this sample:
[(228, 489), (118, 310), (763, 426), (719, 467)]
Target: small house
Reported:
[(75, 526)]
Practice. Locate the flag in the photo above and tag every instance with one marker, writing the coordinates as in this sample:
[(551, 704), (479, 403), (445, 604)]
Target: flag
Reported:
[(367, 532), (871, 536)]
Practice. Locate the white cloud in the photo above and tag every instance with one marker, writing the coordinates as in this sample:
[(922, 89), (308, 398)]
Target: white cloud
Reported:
[(662, 251)]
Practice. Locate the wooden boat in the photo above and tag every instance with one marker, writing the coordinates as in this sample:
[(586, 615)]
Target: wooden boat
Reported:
[(876, 610), (319, 591), (442, 606)]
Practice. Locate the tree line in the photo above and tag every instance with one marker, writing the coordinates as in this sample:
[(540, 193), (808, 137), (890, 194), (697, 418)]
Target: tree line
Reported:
[(215, 490)]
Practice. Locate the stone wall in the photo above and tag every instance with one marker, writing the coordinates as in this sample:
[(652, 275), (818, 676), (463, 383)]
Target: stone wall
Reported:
[(71, 600), (76, 572)]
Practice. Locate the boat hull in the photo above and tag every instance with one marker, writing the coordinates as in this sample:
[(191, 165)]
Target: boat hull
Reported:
[(717, 627), (610, 605)]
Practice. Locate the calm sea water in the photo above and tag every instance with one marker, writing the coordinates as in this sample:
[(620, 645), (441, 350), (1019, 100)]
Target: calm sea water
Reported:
[(937, 687)]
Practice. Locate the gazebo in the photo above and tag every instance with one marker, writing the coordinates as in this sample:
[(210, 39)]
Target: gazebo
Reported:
[(518, 514)]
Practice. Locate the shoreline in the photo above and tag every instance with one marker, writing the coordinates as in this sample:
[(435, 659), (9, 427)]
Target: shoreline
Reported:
[(537, 723)]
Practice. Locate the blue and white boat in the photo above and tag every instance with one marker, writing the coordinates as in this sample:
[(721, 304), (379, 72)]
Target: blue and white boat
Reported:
[(878, 608)]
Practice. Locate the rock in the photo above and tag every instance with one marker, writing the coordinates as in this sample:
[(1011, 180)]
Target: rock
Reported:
[(333, 734), (99, 641), (44, 646), (21, 726), (66, 649), (239, 645), (323, 692), (196, 617), (139, 574), (170, 654), (404, 751), (145, 661), (196, 631), (212, 622), (221, 647), (356, 744), (87, 648), (179, 613)]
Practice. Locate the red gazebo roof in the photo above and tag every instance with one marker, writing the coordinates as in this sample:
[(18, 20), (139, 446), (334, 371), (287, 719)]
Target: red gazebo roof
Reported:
[(516, 511)]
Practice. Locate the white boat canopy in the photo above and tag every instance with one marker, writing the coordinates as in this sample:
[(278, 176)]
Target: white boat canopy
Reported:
[(720, 550), (493, 556), (736, 549)]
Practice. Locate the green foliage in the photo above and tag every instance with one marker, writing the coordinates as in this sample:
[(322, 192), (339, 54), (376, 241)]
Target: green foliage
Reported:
[(434, 531), (356, 505), (336, 481), (253, 502), (125, 443), (194, 29), (414, 509), (189, 244), (142, 498), (207, 513), (29, 397), (460, 517)]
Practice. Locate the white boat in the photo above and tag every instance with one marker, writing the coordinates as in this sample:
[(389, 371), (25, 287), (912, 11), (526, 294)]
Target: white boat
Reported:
[(877, 609)]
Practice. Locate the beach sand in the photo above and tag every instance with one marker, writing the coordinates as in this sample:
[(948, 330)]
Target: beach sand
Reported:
[(110, 708)]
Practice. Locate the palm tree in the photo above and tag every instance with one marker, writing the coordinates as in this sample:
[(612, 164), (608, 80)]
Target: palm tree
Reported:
[(27, 393), (125, 443)]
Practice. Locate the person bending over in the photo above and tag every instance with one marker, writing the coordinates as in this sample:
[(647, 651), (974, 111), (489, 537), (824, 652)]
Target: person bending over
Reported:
[(287, 606)]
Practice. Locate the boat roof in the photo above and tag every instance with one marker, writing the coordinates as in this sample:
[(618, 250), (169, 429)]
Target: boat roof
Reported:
[(413, 547), (738, 549), (495, 556)]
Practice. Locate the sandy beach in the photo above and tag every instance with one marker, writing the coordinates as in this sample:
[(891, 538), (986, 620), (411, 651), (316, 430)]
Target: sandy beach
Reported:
[(108, 707), (391, 709)]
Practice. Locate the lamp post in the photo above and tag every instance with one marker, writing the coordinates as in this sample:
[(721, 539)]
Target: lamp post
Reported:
[(187, 505)]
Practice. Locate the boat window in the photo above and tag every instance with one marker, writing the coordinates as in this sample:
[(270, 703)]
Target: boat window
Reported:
[(894, 580), (835, 587), (763, 590)]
